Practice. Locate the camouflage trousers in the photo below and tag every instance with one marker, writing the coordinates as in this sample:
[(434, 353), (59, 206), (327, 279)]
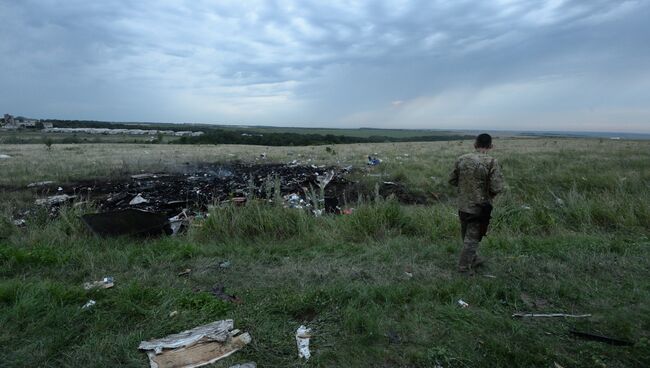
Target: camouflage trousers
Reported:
[(472, 231)]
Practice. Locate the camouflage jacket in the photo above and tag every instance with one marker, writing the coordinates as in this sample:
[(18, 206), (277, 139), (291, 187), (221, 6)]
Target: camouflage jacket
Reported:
[(478, 178)]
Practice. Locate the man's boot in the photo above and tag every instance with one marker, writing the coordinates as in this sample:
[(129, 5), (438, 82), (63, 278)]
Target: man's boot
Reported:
[(465, 262), (477, 262)]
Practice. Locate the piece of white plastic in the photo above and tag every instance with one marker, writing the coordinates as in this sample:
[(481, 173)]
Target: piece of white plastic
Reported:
[(138, 200), (462, 303), (302, 340), (89, 304)]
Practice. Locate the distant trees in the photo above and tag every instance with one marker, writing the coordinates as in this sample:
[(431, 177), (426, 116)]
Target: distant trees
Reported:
[(219, 136)]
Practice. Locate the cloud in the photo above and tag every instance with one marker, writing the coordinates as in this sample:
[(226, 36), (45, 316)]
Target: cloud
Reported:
[(337, 63)]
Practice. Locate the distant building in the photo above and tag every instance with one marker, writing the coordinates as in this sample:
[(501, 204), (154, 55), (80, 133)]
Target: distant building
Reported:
[(11, 122), (8, 120), (106, 131)]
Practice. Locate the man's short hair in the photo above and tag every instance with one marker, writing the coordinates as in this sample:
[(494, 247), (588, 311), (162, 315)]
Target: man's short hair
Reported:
[(483, 140)]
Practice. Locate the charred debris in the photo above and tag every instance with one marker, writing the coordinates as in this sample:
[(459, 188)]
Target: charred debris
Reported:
[(151, 203)]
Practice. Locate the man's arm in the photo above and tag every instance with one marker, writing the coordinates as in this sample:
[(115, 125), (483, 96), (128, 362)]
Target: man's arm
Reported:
[(453, 177), (497, 182)]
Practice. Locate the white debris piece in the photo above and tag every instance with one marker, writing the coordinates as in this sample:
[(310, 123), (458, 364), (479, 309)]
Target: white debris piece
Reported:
[(40, 184), (57, 199), (216, 331), (105, 283), (2, 156), (178, 221), (19, 222), (303, 334), (462, 303), (89, 304), (138, 200), (197, 347), (324, 179)]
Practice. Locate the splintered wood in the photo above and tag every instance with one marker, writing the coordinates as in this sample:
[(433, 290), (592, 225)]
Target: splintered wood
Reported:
[(197, 347)]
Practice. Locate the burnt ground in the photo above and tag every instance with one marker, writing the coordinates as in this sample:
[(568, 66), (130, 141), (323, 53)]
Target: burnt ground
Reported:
[(196, 186)]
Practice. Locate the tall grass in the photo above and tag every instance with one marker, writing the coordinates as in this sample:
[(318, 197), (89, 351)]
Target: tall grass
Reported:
[(378, 286)]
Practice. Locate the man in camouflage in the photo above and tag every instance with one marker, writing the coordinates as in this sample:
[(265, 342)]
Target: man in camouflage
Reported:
[(479, 179)]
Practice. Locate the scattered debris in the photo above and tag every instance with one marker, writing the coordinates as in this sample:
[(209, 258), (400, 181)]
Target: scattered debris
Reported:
[(373, 161), (220, 292), (303, 334), (224, 264), (601, 338), (347, 211), (173, 314), (549, 315), (3, 156), (105, 283), (197, 347), (293, 200), (408, 271), (525, 207), (40, 184), (185, 272), (490, 276), (325, 179), (54, 200), (19, 222), (462, 303), (89, 304), (127, 222), (138, 200), (240, 201), (557, 365), (187, 193), (179, 222)]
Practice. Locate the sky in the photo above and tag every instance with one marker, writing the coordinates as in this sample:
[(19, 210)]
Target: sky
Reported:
[(581, 65)]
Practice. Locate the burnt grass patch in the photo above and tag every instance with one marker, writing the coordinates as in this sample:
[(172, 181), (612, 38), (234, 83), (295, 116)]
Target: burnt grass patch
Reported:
[(196, 186)]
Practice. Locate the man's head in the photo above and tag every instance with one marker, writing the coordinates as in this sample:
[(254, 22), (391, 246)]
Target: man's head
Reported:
[(483, 142)]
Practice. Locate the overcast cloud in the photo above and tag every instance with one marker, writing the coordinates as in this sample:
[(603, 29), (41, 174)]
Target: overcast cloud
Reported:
[(501, 64)]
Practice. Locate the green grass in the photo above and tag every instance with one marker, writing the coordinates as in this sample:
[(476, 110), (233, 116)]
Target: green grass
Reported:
[(344, 276)]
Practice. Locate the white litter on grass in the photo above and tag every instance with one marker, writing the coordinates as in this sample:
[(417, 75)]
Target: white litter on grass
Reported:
[(2, 156), (89, 304), (105, 283), (57, 199), (302, 340), (19, 222), (138, 200), (462, 303)]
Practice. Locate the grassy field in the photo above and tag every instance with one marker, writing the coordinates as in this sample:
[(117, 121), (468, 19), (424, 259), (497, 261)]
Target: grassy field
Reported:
[(571, 234)]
